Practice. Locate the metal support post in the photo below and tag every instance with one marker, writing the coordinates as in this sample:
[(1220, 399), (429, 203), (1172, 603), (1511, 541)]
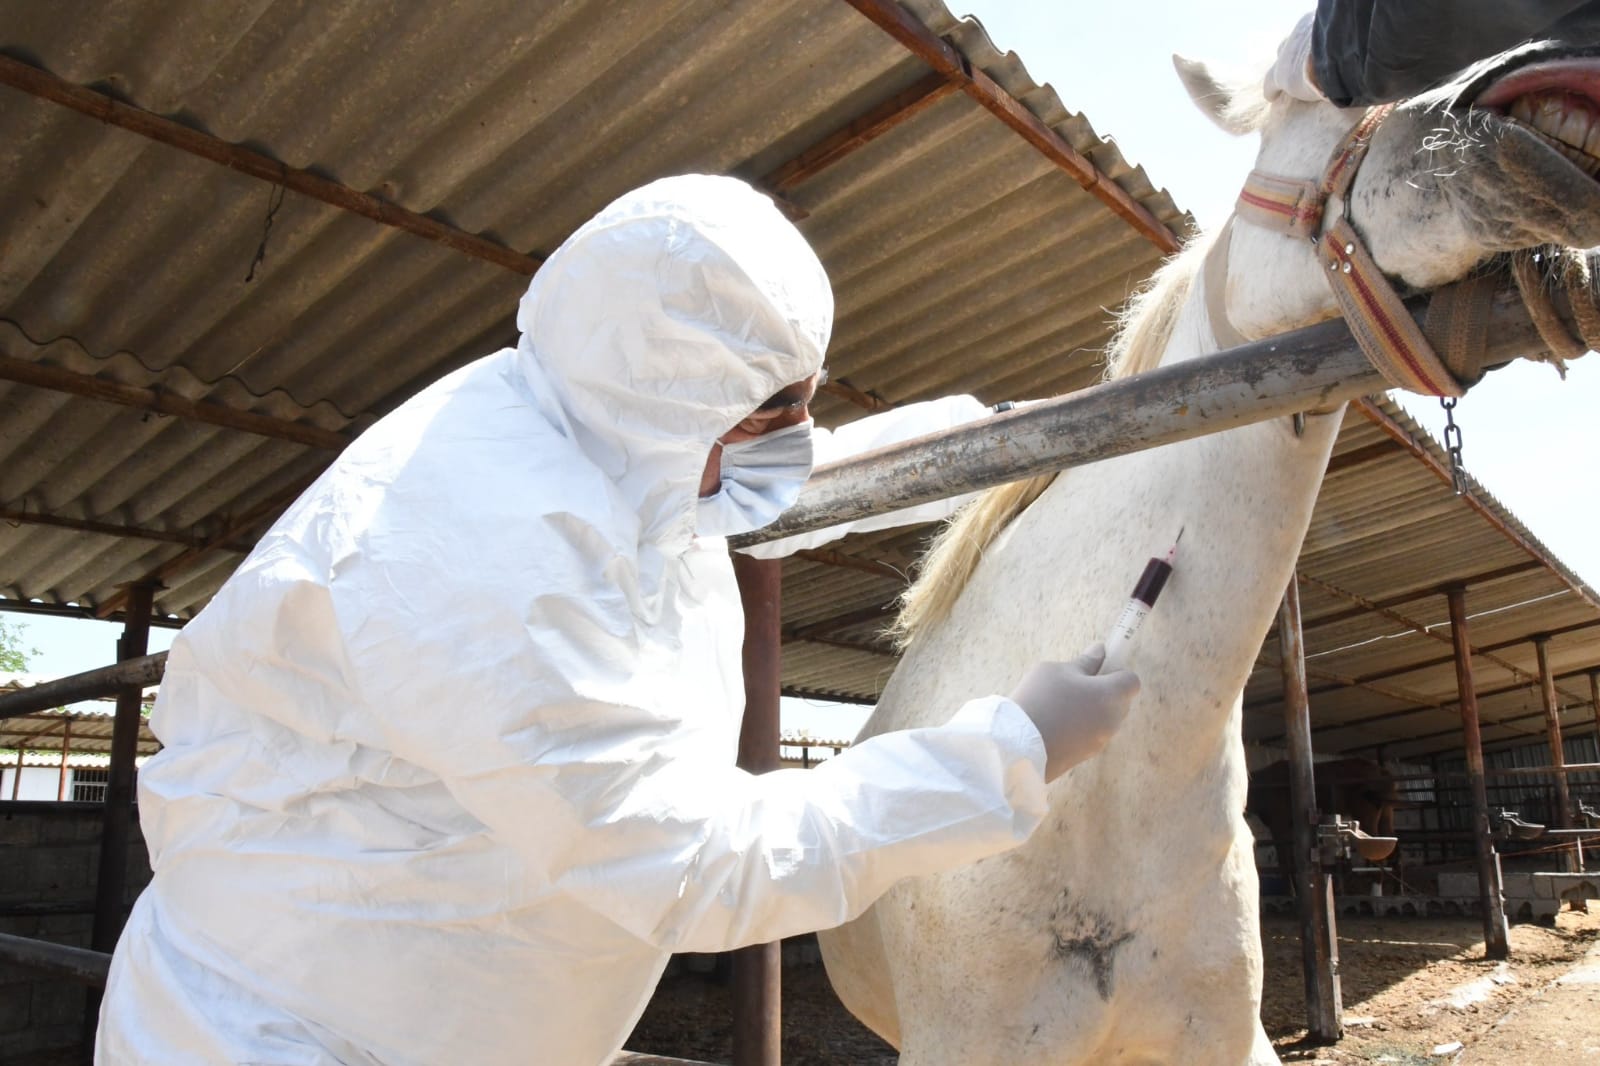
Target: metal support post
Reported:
[(1594, 703), (111, 880), (1558, 753), (1491, 893), (757, 970), (66, 749), (1319, 941)]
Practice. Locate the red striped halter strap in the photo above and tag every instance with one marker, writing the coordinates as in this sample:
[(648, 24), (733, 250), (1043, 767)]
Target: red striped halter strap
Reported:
[(1377, 317)]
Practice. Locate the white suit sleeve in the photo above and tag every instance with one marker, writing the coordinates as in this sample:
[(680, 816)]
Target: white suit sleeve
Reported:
[(879, 431), (739, 858), (690, 855)]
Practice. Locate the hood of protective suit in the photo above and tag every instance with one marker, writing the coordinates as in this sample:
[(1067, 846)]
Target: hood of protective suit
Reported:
[(661, 324)]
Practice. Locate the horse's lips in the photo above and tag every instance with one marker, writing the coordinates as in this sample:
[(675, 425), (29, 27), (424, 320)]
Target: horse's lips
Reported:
[(1579, 76)]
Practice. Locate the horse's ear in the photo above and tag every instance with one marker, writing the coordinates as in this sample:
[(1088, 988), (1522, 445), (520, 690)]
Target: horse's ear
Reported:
[(1209, 95)]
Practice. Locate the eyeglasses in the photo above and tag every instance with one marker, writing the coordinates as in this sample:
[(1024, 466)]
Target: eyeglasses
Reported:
[(795, 396)]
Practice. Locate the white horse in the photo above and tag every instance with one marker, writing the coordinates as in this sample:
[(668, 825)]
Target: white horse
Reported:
[(1125, 931)]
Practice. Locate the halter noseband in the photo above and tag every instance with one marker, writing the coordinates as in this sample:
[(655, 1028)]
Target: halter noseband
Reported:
[(1377, 317)]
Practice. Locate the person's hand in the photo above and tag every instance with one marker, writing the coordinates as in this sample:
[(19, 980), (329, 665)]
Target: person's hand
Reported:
[(1075, 707)]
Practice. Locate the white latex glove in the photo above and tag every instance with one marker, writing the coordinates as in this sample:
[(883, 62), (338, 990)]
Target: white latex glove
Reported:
[(1291, 74), (1075, 707)]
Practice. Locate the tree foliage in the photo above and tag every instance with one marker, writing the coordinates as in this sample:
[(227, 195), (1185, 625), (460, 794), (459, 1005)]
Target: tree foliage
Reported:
[(14, 653)]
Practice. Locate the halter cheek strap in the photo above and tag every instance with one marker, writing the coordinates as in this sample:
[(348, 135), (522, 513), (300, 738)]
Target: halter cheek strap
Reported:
[(1377, 317)]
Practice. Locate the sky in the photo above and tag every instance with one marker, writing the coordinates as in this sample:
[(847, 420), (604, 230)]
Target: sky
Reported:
[(1529, 438)]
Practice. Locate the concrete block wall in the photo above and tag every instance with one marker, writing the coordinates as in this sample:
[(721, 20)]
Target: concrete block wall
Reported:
[(49, 856)]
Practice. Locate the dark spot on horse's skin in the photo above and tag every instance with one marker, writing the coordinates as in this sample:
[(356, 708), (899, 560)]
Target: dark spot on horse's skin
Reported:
[(1089, 939)]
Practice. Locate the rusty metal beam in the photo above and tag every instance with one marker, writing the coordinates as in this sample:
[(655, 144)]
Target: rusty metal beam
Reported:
[(949, 63), (861, 131), (267, 508), (159, 401), (846, 645), (866, 400), (1415, 626), (1408, 597), (1444, 705), (1440, 470), (1363, 680), (104, 108), (876, 613), (829, 557), (25, 517), (1520, 738)]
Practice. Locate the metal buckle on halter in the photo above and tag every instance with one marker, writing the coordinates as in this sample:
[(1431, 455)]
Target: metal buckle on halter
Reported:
[(1378, 319)]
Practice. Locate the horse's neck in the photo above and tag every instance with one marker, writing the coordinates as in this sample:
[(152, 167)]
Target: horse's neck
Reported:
[(1055, 580)]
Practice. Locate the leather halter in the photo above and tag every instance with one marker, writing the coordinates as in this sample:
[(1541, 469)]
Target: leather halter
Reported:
[(1377, 317)]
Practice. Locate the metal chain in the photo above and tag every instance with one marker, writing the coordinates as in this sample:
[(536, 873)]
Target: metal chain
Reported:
[(1452, 444)]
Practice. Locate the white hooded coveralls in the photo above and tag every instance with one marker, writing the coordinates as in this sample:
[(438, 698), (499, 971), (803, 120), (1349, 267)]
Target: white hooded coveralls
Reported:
[(448, 766)]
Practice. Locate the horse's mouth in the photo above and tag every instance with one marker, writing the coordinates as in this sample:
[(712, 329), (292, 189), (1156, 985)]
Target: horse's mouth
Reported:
[(1558, 100)]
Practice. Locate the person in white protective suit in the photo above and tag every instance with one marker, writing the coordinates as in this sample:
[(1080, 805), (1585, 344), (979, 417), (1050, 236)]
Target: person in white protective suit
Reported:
[(448, 765)]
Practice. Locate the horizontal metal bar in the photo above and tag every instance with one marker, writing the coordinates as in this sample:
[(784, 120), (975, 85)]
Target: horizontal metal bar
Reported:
[(1271, 378), (79, 964), (1531, 771), (104, 681), (98, 105), (59, 379)]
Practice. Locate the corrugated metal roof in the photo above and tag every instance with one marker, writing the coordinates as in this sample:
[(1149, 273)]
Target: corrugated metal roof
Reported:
[(127, 259), (962, 258), (47, 732), (1387, 537)]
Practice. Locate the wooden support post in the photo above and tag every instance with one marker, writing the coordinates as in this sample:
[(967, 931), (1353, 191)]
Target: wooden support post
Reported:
[(16, 780), (1491, 894), (66, 749), (757, 970), (1319, 939)]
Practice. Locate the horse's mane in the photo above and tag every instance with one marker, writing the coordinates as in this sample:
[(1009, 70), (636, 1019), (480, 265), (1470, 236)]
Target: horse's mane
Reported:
[(1144, 327)]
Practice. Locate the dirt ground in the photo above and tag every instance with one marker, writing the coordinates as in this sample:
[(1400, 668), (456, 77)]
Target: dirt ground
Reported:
[(1411, 985)]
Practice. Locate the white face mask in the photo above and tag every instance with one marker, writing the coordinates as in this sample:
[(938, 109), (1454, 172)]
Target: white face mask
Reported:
[(761, 477)]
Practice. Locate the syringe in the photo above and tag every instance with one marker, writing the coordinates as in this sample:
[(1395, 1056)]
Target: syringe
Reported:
[(1151, 582)]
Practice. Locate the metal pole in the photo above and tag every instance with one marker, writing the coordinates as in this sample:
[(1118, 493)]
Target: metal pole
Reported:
[(757, 970), (1319, 939), (16, 780), (66, 747), (1594, 703), (1264, 379), (111, 881), (1558, 751), (79, 964), (91, 684), (1491, 894)]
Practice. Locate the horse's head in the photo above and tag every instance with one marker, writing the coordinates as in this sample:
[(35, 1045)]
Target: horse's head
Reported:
[(1501, 159)]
